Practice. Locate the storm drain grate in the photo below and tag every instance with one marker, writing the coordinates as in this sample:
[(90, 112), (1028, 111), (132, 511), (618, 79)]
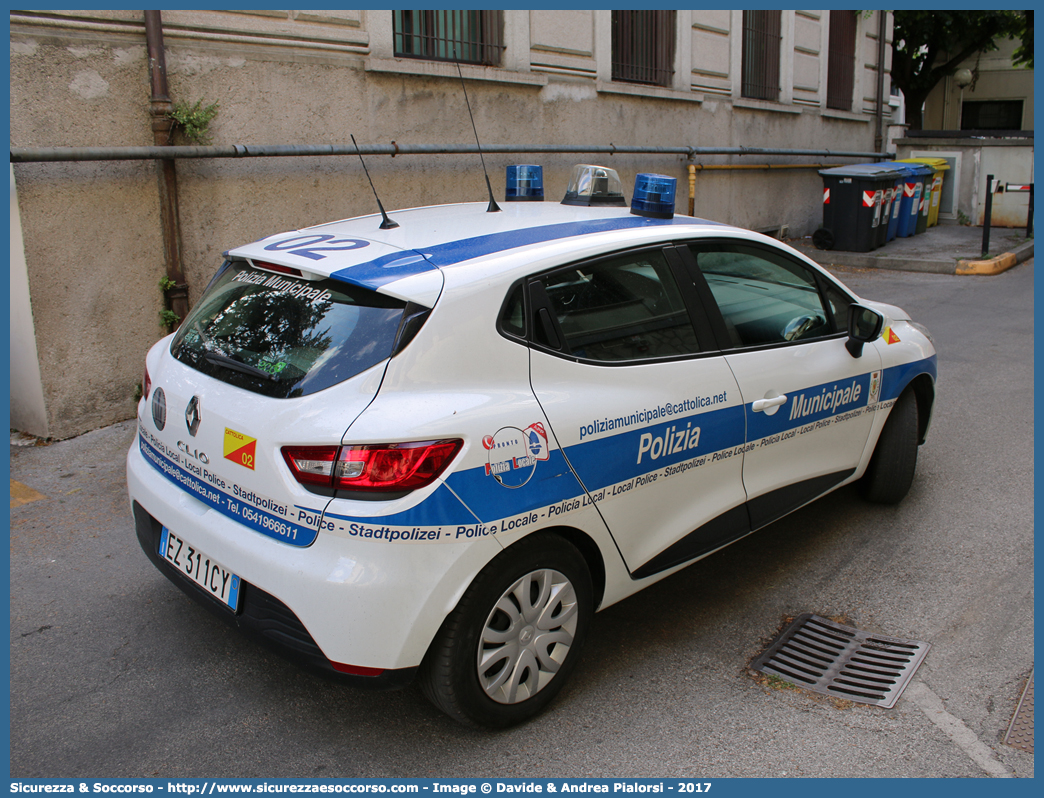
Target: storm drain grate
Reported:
[(1020, 733), (843, 662)]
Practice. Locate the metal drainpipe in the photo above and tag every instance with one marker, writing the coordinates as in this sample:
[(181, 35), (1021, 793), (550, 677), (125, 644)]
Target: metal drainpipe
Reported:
[(882, 27), (162, 125)]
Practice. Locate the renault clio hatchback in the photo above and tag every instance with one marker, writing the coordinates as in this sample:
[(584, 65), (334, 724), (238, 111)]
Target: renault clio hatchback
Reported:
[(433, 450)]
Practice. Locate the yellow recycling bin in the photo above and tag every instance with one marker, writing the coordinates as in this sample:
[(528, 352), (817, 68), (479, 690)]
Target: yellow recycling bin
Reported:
[(940, 165)]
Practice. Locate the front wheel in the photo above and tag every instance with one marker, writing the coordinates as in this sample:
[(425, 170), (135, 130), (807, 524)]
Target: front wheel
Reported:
[(507, 649), (891, 470)]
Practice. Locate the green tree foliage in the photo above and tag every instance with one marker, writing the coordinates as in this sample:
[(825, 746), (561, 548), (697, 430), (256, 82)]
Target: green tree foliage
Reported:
[(928, 46), (1024, 54)]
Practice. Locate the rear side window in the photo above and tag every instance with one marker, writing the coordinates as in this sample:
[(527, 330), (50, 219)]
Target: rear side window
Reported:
[(621, 309), (283, 336)]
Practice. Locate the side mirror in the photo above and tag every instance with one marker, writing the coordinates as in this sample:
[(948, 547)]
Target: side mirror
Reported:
[(864, 325)]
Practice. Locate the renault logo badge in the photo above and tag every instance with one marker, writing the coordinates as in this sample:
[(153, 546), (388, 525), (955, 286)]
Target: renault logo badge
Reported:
[(159, 408), (192, 415)]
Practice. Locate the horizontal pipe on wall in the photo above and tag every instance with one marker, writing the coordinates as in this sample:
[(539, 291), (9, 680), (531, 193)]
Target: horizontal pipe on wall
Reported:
[(726, 166), (695, 167), (52, 154)]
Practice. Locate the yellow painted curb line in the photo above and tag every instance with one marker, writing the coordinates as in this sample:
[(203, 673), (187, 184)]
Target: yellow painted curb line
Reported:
[(23, 494), (995, 265)]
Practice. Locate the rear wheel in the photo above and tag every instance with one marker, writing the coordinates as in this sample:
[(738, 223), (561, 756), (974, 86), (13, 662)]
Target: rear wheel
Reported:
[(891, 470), (507, 649)]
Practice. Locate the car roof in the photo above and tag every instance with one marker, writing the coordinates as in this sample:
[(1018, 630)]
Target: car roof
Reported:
[(405, 261)]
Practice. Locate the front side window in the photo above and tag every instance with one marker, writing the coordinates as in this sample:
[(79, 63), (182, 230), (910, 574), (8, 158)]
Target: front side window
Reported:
[(470, 37), (837, 302), (765, 298), (643, 47), (622, 309), (283, 336)]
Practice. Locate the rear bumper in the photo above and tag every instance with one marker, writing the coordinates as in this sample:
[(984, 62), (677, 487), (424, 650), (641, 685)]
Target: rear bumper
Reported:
[(262, 617), (341, 604)]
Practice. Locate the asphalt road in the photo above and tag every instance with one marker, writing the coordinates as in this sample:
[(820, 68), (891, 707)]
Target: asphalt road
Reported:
[(115, 673)]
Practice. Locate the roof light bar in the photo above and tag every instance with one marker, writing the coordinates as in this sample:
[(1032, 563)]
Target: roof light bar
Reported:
[(654, 196), (594, 185), (525, 183)]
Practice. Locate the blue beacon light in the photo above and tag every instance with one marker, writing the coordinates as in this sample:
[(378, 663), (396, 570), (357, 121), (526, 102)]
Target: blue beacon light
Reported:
[(525, 183), (654, 196)]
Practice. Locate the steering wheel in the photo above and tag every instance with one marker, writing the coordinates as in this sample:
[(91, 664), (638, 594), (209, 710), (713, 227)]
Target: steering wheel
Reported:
[(796, 328)]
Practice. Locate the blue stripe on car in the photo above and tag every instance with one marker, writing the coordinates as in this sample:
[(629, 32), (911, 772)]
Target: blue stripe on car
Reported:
[(238, 510), (389, 268), (896, 378), (472, 495), (614, 459)]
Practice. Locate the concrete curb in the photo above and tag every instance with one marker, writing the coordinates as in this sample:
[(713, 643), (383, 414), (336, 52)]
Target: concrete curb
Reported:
[(872, 260), (868, 260), (996, 265)]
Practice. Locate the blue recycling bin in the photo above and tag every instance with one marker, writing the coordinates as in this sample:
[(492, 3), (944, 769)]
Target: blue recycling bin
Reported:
[(913, 195), (906, 172)]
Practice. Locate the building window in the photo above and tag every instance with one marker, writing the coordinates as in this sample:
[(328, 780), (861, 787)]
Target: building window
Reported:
[(841, 60), (991, 115), (761, 37), (471, 37), (643, 47)]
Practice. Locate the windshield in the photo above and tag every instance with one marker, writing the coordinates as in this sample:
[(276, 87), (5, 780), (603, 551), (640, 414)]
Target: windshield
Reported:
[(284, 336)]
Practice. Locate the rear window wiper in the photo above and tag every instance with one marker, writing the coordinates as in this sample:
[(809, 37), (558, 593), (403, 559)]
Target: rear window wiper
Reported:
[(238, 365), (212, 355)]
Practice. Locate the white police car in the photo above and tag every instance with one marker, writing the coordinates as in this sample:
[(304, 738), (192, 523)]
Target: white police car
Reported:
[(439, 447)]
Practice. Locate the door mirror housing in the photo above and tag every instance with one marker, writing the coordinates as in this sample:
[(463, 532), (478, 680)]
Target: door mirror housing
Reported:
[(864, 325)]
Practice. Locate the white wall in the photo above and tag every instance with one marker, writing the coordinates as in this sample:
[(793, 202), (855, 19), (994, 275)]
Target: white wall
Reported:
[(27, 400)]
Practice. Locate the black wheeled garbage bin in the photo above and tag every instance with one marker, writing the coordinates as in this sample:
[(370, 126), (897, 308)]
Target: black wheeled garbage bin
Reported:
[(853, 207)]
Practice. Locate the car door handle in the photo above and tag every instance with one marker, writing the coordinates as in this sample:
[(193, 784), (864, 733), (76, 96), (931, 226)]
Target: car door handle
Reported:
[(761, 405)]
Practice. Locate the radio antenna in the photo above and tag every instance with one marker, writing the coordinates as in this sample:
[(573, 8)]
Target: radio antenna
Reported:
[(492, 207), (387, 224)]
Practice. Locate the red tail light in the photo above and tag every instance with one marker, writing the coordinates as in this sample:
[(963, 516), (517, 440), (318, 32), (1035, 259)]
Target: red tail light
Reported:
[(312, 465), (146, 384), (275, 267), (382, 467)]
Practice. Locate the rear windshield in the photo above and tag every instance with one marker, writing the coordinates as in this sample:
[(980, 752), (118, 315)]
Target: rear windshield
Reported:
[(283, 336)]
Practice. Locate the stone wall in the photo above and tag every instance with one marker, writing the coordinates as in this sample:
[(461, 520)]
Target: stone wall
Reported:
[(92, 240)]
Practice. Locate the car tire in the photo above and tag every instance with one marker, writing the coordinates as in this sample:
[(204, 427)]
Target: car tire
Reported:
[(510, 644), (891, 470)]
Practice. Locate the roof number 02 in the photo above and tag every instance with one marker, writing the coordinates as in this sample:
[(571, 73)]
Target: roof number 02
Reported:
[(305, 246)]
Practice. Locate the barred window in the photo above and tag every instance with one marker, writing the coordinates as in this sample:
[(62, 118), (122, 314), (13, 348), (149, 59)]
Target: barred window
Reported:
[(841, 60), (991, 115), (470, 37), (761, 37), (643, 47)]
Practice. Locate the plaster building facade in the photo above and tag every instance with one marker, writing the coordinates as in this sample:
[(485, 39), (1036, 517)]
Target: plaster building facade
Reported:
[(87, 245), (981, 128)]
